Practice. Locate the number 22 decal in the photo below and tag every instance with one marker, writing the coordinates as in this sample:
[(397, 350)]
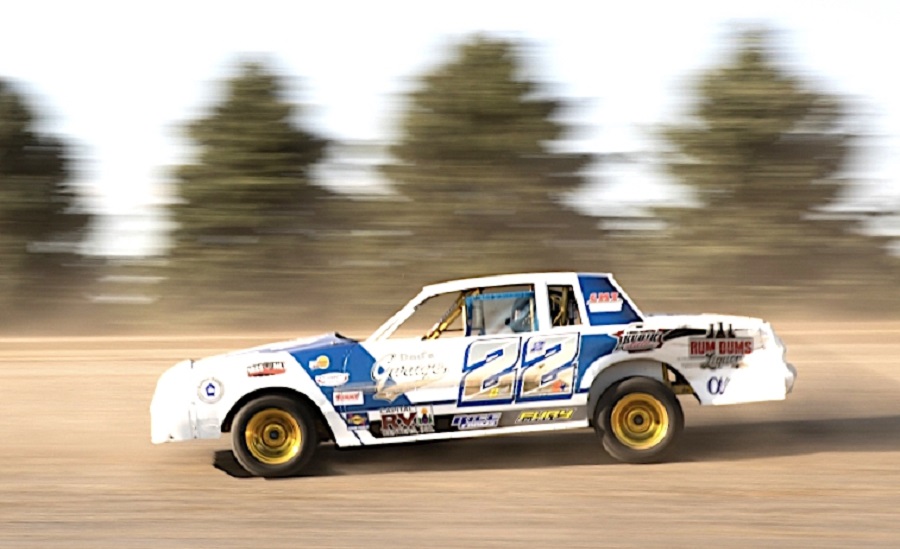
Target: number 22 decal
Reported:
[(489, 374), (493, 372)]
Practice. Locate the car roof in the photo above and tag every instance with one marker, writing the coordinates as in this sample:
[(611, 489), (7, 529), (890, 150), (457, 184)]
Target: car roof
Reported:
[(508, 280)]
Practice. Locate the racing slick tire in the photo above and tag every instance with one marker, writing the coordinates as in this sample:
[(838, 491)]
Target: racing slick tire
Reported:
[(274, 436), (639, 420)]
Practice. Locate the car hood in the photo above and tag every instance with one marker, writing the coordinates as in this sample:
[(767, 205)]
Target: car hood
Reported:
[(318, 342)]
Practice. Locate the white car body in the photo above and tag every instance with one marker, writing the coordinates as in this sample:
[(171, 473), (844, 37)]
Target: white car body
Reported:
[(390, 389)]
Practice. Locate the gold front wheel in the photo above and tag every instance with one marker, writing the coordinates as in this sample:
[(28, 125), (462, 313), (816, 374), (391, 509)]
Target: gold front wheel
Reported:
[(274, 436)]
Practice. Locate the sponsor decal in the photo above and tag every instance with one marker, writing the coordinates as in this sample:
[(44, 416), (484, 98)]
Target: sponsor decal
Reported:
[(347, 398), (717, 385), (604, 302), (334, 379), (357, 421), (321, 362), (398, 373), (639, 340), (719, 348), (541, 416), (476, 421), (210, 390), (406, 420), (265, 369)]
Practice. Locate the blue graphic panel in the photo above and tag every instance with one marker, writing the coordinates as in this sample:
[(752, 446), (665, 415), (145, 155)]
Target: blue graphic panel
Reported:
[(357, 362), (592, 348), (605, 305), (360, 365)]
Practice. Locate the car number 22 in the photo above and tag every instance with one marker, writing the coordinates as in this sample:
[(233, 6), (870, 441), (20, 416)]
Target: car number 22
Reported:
[(496, 371)]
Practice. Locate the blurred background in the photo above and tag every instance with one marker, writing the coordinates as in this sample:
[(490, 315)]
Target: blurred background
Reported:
[(170, 168)]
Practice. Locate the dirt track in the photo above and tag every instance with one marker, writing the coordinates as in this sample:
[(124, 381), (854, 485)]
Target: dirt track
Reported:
[(820, 469)]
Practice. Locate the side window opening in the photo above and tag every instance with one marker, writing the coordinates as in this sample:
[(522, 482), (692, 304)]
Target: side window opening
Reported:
[(563, 306), (501, 310), (438, 316), (473, 312)]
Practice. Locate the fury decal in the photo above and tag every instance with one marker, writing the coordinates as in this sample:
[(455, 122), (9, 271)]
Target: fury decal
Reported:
[(542, 416)]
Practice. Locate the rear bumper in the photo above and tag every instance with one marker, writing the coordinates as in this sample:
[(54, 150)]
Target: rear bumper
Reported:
[(789, 378)]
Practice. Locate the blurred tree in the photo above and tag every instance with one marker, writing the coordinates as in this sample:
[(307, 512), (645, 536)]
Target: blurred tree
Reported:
[(38, 213), (762, 154), (249, 215), (477, 164)]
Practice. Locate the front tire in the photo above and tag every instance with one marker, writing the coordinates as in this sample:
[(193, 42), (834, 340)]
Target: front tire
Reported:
[(639, 420), (274, 436)]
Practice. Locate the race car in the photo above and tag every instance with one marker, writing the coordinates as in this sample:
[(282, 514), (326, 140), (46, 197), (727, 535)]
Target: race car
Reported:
[(504, 354)]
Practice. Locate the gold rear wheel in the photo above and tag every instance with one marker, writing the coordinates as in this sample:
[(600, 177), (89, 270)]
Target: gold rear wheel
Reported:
[(639, 421)]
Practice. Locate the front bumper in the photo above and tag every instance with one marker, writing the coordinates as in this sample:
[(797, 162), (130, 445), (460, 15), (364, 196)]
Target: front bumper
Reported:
[(172, 414)]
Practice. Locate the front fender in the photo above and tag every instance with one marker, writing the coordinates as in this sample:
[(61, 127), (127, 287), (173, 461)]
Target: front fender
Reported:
[(195, 400), (295, 382)]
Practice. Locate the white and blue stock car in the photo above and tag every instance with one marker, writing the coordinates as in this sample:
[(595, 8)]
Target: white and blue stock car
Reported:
[(485, 356)]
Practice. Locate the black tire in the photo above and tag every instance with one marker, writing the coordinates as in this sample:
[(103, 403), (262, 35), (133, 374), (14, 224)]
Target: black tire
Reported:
[(639, 420), (274, 436)]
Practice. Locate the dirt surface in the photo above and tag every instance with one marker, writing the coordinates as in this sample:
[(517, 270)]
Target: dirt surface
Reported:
[(819, 469)]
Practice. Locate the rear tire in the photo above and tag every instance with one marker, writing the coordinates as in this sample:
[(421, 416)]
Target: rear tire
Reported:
[(274, 436), (639, 420)]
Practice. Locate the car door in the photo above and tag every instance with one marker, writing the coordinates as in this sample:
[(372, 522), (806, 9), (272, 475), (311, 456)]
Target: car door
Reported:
[(396, 381), (522, 364), (413, 371), (549, 365)]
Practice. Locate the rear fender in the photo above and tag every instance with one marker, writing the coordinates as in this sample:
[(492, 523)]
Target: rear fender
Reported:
[(619, 371)]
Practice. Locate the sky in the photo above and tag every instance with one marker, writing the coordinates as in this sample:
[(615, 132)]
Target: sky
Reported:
[(118, 79)]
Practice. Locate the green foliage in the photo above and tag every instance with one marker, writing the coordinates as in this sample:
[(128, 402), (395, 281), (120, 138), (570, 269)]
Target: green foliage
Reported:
[(249, 214), (477, 165), (762, 154), (36, 209)]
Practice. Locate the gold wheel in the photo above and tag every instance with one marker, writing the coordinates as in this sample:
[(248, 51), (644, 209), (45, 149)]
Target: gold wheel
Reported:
[(273, 436), (639, 420)]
